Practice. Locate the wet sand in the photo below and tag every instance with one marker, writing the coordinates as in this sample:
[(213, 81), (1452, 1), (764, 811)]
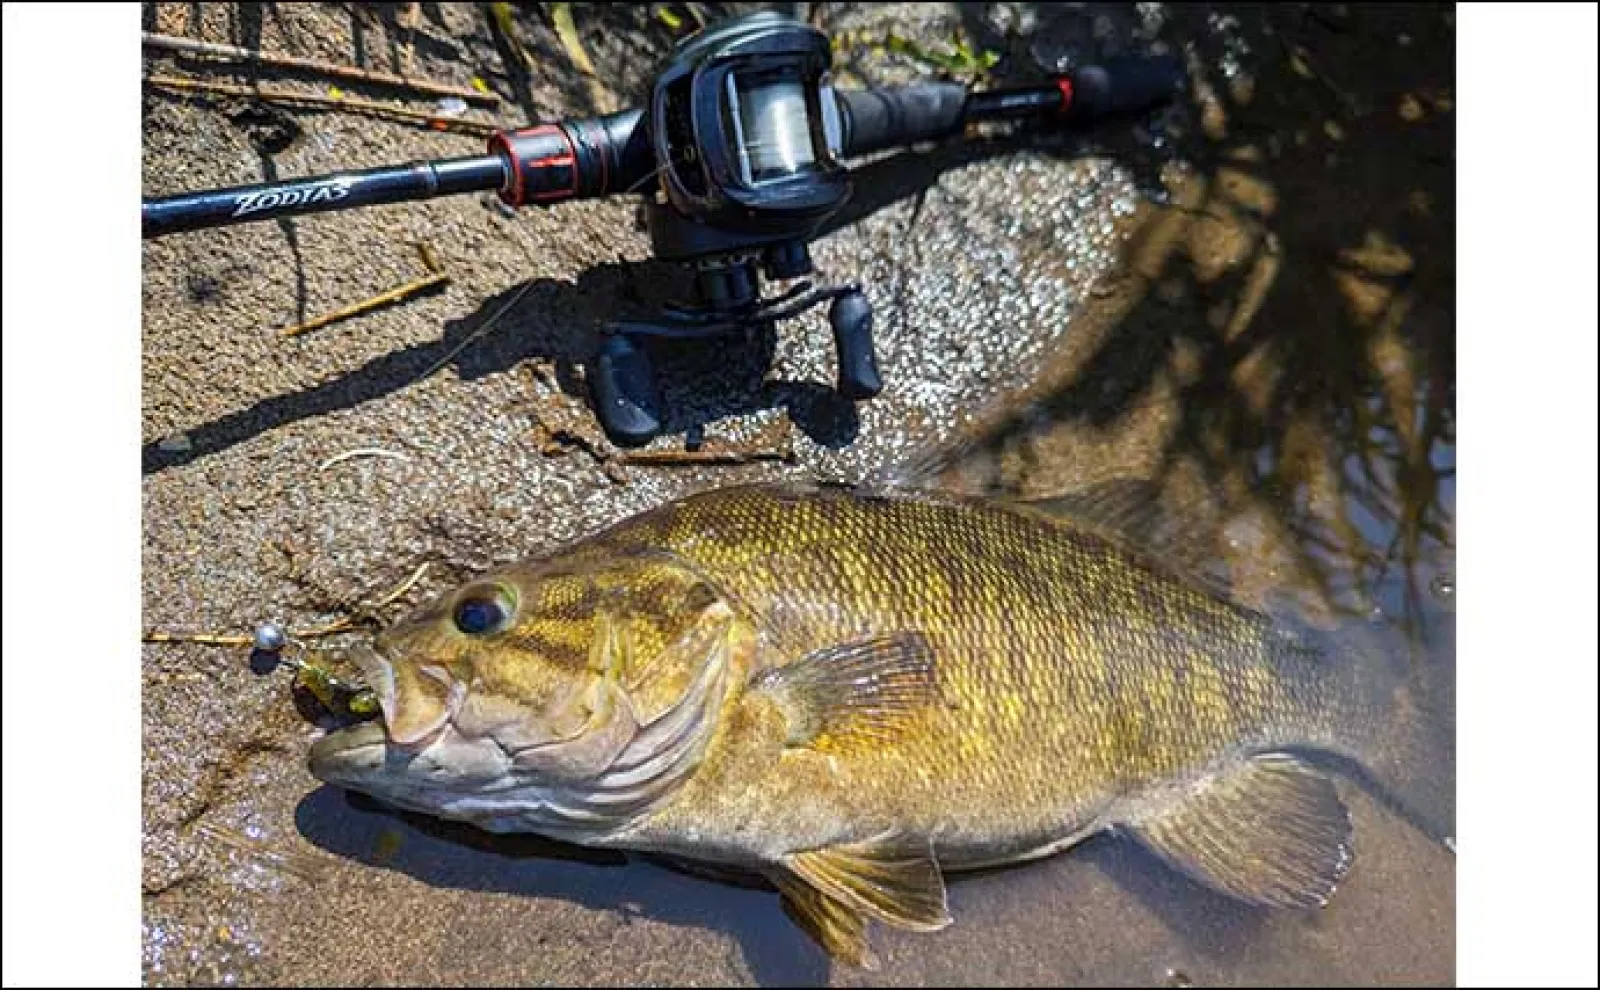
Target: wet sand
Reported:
[(1294, 266)]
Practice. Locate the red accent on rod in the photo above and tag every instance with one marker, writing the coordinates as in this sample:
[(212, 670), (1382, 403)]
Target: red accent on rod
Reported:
[(516, 194)]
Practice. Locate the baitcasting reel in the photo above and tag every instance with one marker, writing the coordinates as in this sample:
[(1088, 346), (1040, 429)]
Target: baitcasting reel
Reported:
[(740, 157)]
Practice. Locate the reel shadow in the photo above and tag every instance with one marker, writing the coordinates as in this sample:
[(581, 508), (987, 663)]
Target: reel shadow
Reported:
[(701, 381)]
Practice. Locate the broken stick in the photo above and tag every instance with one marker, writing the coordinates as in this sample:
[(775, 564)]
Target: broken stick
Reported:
[(190, 46), (686, 458), (289, 96), (366, 305), (435, 277)]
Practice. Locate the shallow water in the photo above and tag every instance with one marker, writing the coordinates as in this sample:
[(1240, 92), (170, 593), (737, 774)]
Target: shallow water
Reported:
[(1271, 341)]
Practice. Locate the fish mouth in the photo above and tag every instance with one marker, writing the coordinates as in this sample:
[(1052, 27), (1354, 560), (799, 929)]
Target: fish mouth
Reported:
[(417, 701), (378, 674), (349, 755)]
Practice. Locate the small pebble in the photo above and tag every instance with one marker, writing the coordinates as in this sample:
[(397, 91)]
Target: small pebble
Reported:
[(270, 637)]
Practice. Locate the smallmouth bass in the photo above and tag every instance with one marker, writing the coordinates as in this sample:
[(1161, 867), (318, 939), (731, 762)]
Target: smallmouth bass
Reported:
[(852, 693)]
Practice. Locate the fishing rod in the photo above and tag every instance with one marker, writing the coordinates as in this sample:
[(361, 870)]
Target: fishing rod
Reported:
[(740, 156)]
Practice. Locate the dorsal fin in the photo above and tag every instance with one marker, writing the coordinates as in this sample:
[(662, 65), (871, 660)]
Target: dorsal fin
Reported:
[(1129, 513)]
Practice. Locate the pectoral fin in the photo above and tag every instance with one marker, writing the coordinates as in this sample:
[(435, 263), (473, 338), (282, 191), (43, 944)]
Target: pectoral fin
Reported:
[(1273, 832), (862, 691)]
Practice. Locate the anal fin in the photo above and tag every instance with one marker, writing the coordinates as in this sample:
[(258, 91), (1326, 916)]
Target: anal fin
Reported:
[(1272, 832)]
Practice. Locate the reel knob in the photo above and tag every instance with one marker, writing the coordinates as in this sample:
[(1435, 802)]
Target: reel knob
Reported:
[(851, 317), (625, 396)]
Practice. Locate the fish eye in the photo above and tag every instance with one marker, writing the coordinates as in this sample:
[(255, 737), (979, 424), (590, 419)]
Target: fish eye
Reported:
[(483, 612)]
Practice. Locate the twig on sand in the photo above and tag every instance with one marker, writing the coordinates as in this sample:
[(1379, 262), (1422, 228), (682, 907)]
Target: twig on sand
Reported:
[(759, 448), (204, 639), (382, 299), (190, 46), (403, 587), (361, 613), (344, 624), (435, 277), (361, 452), (291, 97), (686, 458)]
